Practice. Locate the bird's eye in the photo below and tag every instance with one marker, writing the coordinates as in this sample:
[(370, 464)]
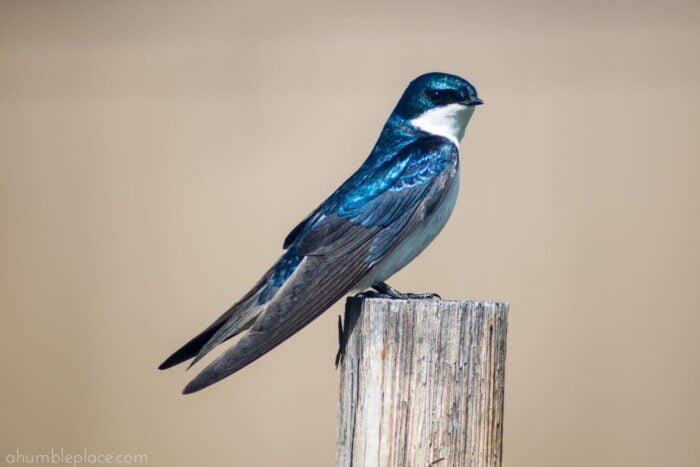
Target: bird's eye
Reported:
[(433, 95), (442, 96)]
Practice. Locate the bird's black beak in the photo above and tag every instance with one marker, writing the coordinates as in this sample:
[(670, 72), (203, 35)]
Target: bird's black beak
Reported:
[(471, 101)]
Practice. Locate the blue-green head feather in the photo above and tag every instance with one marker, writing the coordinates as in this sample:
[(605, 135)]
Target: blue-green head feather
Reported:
[(433, 90)]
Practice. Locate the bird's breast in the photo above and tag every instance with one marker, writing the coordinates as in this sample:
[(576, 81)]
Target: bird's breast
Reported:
[(416, 241)]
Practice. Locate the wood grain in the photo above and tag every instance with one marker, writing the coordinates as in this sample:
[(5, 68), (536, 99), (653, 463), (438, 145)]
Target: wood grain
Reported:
[(422, 383)]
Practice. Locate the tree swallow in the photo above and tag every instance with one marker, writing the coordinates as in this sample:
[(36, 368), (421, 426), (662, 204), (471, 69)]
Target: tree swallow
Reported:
[(379, 219)]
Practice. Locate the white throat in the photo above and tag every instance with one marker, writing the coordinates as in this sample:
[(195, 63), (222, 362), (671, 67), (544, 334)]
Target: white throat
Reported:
[(448, 121)]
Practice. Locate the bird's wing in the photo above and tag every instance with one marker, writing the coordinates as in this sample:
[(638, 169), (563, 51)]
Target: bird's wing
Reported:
[(340, 247)]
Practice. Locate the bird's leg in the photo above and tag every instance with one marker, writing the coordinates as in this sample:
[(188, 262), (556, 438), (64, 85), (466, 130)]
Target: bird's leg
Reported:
[(387, 291)]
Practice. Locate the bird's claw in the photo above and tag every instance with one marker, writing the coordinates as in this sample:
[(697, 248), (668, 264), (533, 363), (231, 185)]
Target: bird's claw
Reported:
[(384, 290), (374, 294), (421, 296)]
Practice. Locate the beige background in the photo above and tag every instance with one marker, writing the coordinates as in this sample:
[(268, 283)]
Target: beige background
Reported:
[(155, 154)]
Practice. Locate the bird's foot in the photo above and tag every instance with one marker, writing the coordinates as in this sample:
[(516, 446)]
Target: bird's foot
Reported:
[(374, 294), (384, 290)]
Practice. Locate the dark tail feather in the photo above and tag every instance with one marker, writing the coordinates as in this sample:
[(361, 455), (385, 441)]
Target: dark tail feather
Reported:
[(193, 347)]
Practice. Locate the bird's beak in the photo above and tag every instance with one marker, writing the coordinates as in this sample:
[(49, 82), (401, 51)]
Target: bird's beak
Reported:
[(472, 101)]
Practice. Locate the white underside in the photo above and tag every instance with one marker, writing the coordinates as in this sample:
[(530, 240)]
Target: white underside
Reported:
[(415, 242), (448, 121)]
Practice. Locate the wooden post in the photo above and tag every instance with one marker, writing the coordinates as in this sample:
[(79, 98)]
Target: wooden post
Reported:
[(422, 383)]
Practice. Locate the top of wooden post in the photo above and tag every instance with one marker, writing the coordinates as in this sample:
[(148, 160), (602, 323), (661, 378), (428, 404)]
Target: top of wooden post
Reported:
[(422, 383)]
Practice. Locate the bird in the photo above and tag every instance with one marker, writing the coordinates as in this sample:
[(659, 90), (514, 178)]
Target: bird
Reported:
[(374, 224)]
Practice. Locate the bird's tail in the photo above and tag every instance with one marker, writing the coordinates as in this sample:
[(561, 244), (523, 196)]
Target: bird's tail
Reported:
[(192, 348), (236, 320), (240, 316)]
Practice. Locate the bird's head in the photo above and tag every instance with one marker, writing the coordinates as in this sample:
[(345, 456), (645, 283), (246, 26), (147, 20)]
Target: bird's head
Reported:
[(439, 103)]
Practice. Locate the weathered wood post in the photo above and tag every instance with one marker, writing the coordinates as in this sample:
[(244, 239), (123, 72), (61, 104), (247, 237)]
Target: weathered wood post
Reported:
[(422, 383)]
